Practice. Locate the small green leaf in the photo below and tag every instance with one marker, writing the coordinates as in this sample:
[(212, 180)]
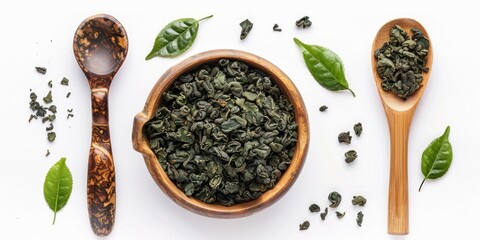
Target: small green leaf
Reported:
[(437, 157), (57, 187), (325, 66), (175, 38)]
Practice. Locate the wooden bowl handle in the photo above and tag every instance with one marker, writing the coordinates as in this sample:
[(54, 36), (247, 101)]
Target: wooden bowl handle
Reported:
[(399, 125), (101, 170)]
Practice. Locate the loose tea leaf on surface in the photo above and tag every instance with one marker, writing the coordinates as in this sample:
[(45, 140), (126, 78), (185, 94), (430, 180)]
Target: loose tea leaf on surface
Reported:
[(314, 208), (48, 98), (303, 22), (359, 218), (41, 70), (358, 128), (350, 156), (276, 28), (48, 153), (335, 199), (324, 214), (305, 225), (339, 214), (68, 94), (437, 157), (175, 38), (344, 137), (246, 27), (51, 136), (323, 108), (57, 187), (359, 200), (325, 66), (50, 84), (64, 81)]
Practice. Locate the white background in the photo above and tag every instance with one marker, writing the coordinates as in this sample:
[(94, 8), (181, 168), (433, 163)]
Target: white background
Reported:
[(40, 33)]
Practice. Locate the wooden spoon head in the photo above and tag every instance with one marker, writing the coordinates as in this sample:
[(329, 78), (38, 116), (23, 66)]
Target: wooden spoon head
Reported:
[(389, 99), (100, 45)]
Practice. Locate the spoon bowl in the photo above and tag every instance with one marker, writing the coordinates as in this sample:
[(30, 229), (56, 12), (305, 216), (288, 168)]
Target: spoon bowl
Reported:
[(399, 115), (100, 46)]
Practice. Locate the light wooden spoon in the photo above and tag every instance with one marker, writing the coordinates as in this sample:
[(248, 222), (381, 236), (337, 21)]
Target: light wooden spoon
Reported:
[(399, 115)]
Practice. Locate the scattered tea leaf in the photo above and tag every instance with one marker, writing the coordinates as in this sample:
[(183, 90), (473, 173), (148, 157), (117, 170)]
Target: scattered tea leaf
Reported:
[(304, 226), (335, 199), (32, 117), (69, 115), (48, 153), (325, 66), (314, 208), (246, 27), (276, 28), (344, 137), (64, 81), (51, 136), (41, 70), (339, 214), (358, 128), (350, 156), (48, 98), (324, 214), (323, 108), (57, 187), (359, 218), (49, 128), (68, 94), (175, 38), (53, 109), (50, 84), (359, 200), (303, 22), (437, 157)]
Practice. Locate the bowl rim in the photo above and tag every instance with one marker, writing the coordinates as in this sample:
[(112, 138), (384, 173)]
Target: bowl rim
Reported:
[(289, 176)]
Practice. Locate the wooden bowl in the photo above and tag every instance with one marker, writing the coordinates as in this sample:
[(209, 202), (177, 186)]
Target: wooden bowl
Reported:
[(141, 143)]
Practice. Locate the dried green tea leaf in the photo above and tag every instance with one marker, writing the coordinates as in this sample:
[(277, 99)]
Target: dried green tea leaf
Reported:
[(325, 66), (32, 117), (359, 200), (358, 128), (41, 70), (51, 136), (49, 128), (350, 156), (50, 84), (323, 108), (324, 214), (314, 208), (48, 153), (344, 137), (175, 38), (359, 218), (70, 115), (57, 187), (64, 81), (304, 226), (335, 199), (68, 94), (48, 98), (437, 157), (246, 27), (276, 28), (339, 214), (303, 22), (53, 109)]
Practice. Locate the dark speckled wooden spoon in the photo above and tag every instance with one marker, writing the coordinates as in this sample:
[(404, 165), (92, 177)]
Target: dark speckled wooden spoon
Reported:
[(100, 46)]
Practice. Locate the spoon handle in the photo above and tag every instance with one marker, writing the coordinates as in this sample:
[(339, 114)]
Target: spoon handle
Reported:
[(399, 125), (101, 170)]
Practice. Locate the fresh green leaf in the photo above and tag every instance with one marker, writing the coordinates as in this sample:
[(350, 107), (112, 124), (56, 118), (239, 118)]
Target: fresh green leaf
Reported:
[(175, 38), (437, 157), (57, 187), (325, 66)]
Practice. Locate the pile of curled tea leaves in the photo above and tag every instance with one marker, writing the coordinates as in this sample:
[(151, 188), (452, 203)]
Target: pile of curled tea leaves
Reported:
[(224, 133), (401, 61)]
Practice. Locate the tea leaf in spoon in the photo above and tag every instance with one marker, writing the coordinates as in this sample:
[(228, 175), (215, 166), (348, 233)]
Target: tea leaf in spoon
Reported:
[(57, 187), (175, 38), (437, 157), (325, 66)]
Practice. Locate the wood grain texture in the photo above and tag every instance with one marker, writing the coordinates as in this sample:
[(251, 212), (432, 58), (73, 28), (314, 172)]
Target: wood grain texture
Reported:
[(100, 47), (140, 141), (399, 114)]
